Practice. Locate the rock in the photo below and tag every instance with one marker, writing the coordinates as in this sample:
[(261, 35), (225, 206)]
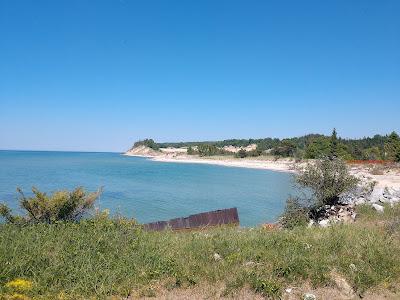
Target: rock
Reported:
[(309, 296), (376, 195), (378, 208), (395, 199), (353, 267), (359, 201), (250, 264), (311, 223), (217, 257), (324, 223), (288, 290)]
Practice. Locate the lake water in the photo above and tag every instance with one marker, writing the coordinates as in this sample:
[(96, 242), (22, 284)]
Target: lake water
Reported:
[(147, 190)]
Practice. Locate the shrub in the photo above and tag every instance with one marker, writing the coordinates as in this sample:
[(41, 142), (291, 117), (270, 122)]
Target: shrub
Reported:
[(60, 206), (296, 213), (286, 148), (190, 151), (327, 179), (241, 153), (209, 150)]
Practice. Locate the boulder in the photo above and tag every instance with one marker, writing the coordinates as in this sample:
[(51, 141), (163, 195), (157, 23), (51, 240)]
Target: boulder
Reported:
[(376, 195), (378, 208), (324, 223), (359, 201)]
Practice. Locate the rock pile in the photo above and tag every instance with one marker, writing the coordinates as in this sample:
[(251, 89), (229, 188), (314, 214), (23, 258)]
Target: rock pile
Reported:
[(365, 193), (371, 194)]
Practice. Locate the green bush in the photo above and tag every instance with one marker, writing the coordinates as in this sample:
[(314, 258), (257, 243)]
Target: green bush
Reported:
[(60, 206), (296, 213), (241, 153), (209, 150), (327, 179), (190, 151)]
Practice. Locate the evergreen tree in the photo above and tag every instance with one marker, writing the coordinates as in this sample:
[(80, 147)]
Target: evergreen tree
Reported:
[(334, 145), (392, 147)]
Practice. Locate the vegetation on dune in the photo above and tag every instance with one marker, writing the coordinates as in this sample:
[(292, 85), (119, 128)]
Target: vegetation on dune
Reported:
[(148, 143), (209, 150), (311, 146), (103, 257)]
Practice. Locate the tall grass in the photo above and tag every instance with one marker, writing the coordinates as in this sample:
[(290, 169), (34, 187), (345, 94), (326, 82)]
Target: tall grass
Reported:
[(101, 258)]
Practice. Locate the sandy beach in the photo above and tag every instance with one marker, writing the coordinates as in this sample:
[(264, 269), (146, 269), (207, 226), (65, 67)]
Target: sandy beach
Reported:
[(388, 177)]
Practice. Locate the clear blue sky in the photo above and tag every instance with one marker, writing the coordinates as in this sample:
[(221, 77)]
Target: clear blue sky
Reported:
[(98, 75)]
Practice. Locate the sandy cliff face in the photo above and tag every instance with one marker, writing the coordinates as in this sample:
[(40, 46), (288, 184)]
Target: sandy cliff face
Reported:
[(234, 149), (142, 151)]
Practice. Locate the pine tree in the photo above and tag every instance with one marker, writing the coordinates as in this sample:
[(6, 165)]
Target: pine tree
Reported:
[(334, 145), (392, 147)]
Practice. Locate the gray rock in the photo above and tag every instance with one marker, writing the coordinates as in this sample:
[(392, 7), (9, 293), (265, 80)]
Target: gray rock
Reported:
[(360, 201), (376, 195), (378, 208), (309, 296), (324, 223)]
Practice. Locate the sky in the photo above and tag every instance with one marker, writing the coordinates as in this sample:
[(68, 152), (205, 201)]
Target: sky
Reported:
[(83, 75)]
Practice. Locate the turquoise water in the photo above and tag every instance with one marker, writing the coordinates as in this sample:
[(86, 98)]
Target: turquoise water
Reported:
[(148, 190)]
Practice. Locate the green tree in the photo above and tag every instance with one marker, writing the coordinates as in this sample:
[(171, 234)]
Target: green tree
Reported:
[(373, 153), (327, 179), (60, 206), (318, 147), (286, 148), (242, 153), (334, 145), (392, 147)]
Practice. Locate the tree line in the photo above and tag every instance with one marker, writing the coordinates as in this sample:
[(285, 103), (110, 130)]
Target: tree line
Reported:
[(311, 146)]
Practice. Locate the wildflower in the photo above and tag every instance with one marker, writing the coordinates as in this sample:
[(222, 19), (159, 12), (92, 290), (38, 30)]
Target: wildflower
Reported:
[(19, 285)]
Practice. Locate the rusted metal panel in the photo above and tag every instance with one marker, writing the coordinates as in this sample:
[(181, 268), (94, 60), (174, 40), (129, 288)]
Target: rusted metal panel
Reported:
[(202, 220)]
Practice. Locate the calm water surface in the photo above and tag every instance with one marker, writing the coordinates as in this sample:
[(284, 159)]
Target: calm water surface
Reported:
[(148, 190)]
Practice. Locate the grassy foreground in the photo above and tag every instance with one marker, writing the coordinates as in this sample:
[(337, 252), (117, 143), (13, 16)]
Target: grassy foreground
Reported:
[(103, 258)]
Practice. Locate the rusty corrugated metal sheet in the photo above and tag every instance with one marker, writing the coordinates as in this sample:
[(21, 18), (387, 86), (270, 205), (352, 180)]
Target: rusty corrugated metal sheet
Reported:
[(206, 219)]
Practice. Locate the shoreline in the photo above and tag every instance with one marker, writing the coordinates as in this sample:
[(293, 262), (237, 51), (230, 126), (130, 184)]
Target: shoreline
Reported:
[(390, 178), (283, 165)]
